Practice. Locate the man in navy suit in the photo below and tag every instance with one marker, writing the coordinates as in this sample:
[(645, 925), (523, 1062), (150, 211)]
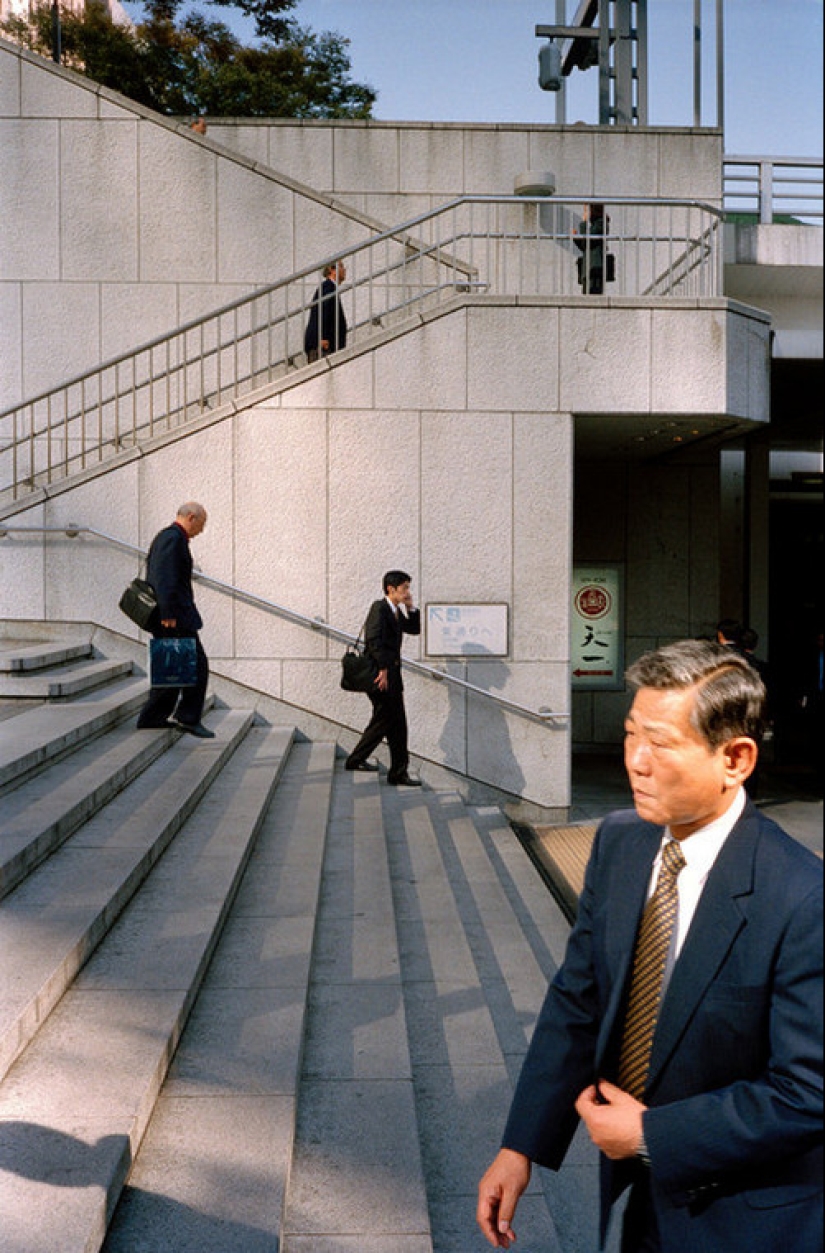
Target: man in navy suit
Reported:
[(169, 571), (722, 1150), (388, 620), (326, 329)]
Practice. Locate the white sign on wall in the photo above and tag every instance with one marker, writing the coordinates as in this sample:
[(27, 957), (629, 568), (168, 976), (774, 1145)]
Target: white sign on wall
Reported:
[(466, 630), (596, 641)]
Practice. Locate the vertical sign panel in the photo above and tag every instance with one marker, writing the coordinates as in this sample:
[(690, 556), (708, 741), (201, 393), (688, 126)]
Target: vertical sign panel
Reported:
[(596, 640)]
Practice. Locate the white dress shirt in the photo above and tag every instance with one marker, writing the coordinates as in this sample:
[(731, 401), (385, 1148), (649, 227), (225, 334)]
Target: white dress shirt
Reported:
[(700, 851)]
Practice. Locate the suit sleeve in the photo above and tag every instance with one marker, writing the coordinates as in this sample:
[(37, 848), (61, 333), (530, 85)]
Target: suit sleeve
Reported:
[(169, 570), (411, 622), (560, 1062), (761, 1122), (379, 643)]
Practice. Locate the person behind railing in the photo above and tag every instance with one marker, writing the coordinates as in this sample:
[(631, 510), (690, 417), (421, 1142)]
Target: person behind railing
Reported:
[(589, 238), (326, 329), (388, 620), (169, 571)]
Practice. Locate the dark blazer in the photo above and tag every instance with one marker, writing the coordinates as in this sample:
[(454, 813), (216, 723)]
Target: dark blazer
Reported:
[(735, 1086), (326, 320), (383, 633), (169, 570)]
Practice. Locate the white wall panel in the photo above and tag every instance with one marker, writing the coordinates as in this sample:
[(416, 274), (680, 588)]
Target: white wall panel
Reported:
[(513, 358), (50, 355), (98, 202), (9, 85), (605, 366), (30, 236)]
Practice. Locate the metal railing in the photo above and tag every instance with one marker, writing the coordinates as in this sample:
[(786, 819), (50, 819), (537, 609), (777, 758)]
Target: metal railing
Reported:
[(547, 717), (508, 246), (784, 189)]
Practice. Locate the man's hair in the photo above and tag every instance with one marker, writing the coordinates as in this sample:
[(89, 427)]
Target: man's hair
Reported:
[(190, 509), (730, 695), (731, 630), (394, 578), (330, 269)]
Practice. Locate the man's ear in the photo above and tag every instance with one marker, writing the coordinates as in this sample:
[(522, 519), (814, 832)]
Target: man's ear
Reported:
[(740, 755)]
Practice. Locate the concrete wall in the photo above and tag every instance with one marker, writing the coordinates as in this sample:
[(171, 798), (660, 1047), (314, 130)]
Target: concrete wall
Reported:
[(395, 170), (134, 225), (413, 453), (116, 225), (779, 268)]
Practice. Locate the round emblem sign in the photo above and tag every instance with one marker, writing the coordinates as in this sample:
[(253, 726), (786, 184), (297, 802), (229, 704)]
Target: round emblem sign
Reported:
[(593, 602)]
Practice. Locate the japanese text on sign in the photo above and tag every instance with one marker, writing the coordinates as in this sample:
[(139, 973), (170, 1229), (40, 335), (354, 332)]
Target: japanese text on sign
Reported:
[(595, 629), (466, 630)]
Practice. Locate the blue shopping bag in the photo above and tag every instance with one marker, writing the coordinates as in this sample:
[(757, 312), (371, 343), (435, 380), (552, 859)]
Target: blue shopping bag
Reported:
[(173, 663)]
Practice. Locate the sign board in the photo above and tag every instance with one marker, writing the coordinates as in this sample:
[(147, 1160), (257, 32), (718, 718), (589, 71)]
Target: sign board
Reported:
[(596, 640), (466, 630)]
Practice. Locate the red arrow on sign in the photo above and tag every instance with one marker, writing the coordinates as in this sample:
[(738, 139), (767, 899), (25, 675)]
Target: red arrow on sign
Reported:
[(588, 673)]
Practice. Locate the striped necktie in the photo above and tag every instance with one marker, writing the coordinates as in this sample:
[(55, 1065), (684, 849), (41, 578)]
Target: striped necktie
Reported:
[(652, 945)]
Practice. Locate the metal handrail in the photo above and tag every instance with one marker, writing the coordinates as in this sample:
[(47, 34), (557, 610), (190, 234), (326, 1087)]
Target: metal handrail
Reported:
[(775, 186), (507, 245), (544, 716)]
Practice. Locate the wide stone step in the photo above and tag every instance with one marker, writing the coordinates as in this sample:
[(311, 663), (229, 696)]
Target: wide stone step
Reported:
[(211, 1172), (356, 1180), (75, 1106), (63, 681), (39, 815), (48, 732), (55, 919), (17, 657)]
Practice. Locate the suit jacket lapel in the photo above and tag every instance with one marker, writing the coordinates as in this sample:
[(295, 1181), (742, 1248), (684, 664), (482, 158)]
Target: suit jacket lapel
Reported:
[(718, 920)]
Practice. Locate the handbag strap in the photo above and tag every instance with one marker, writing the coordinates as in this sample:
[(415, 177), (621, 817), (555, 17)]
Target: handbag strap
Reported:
[(362, 632)]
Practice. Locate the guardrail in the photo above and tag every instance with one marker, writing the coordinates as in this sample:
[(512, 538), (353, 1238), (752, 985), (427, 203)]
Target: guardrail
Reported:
[(546, 716), (509, 246), (784, 189)]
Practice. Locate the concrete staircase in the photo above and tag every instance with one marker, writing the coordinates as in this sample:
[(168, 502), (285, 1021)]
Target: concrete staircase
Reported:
[(249, 1001)]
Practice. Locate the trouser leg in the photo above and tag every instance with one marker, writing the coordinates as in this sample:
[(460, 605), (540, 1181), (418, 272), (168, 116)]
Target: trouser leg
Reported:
[(397, 739), (158, 706), (190, 705), (374, 732), (162, 701), (640, 1231)]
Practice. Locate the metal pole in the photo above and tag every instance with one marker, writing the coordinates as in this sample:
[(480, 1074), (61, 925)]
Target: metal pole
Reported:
[(56, 32), (604, 62), (641, 61), (561, 95), (697, 63), (720, 65)]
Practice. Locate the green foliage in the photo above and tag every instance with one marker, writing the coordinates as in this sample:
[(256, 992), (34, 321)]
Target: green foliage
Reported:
[(196, 65)]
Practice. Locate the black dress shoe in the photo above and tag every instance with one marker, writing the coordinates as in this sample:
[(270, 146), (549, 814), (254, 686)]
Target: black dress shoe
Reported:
[(155, 726), (366, 767), (404, 780), (195, 728)]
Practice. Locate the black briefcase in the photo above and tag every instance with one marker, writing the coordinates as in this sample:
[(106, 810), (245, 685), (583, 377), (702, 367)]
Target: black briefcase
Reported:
[(358, 671), (139, 603)]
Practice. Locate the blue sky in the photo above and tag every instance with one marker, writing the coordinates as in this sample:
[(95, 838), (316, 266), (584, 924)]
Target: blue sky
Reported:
[(476, 61)]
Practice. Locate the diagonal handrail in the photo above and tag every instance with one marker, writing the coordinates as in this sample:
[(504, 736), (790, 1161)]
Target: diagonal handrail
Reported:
[(547, 717), (508, 245)]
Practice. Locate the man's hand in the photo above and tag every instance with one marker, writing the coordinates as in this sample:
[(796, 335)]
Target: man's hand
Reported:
[(381, 681), (498, 1195), (613, 1119), (169, 623)]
